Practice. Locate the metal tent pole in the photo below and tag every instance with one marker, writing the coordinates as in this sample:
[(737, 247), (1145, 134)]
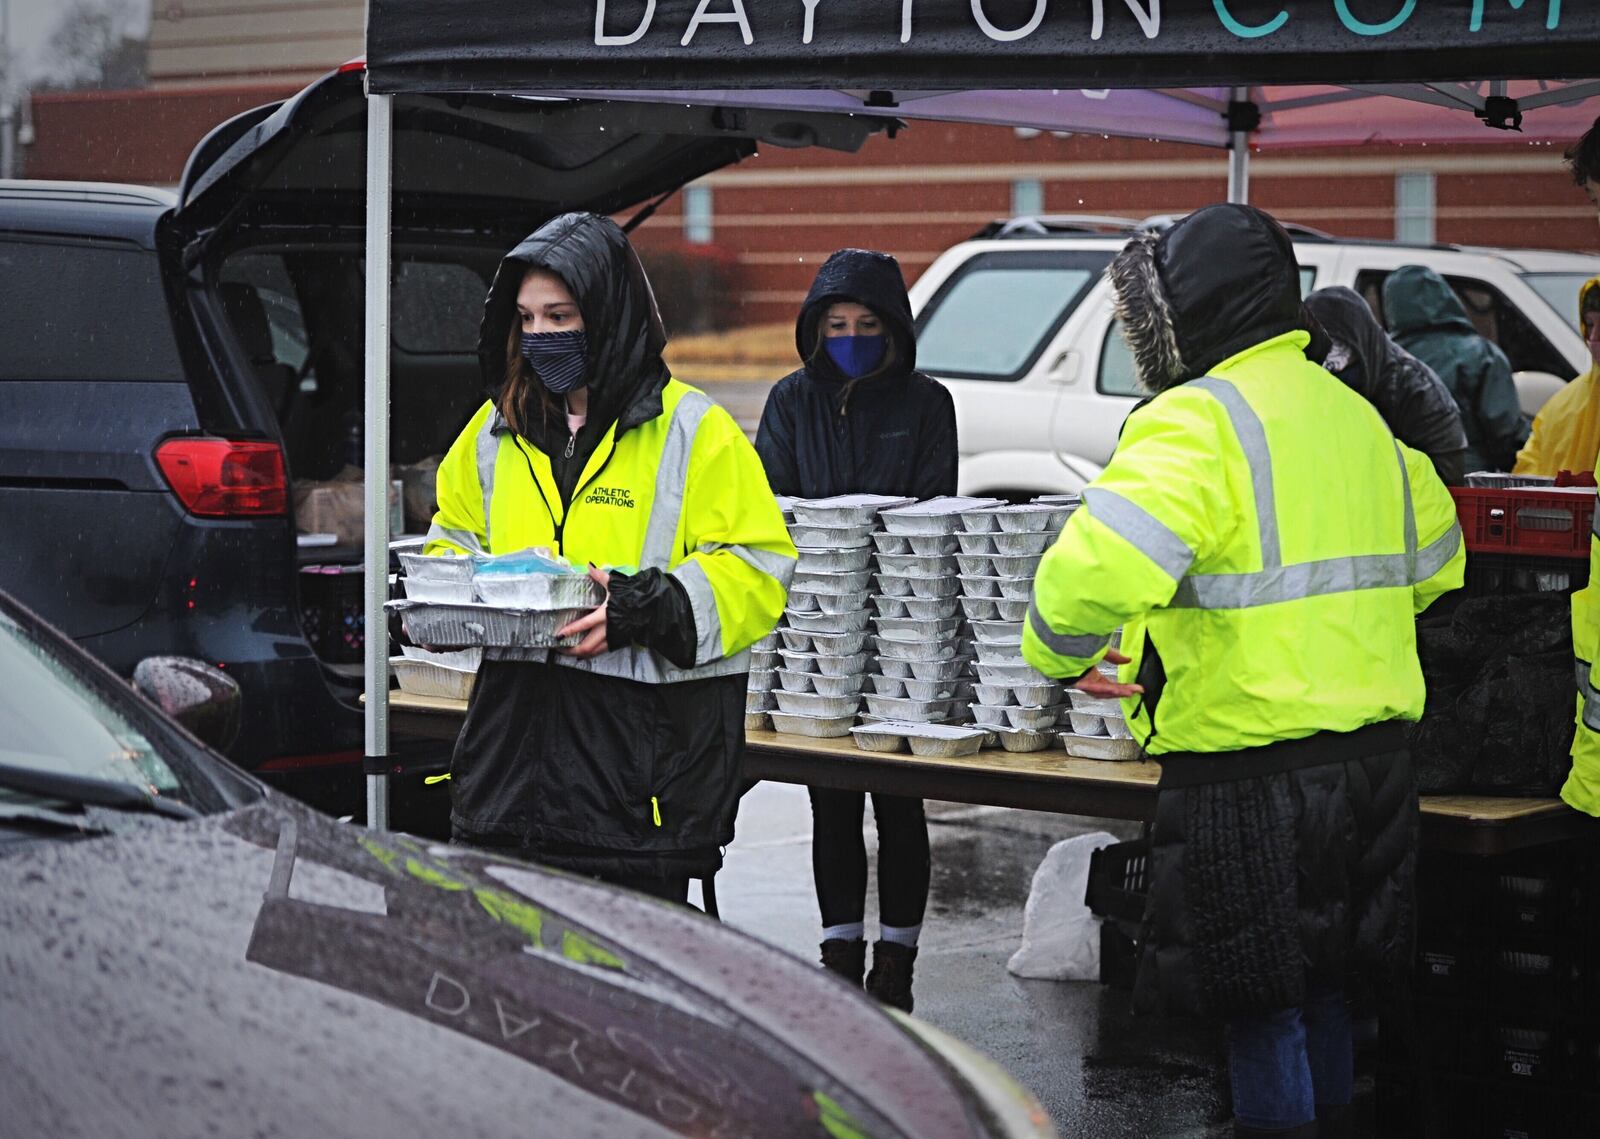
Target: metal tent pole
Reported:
[(380, 118), (1239, 148)]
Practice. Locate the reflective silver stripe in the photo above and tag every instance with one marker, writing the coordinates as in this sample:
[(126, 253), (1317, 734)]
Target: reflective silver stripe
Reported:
[(650, 668), (672, 475), (1141, 529), (1437, 554), (1059, 643), (1591, 698), (488, 452), (703, 604), (1291, 583), (1253, 441), (466, 539), (1411, 513), (1276, 582), (779, 567)]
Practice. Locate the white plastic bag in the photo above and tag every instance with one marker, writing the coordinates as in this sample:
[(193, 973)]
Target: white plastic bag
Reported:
[(1060, 937)]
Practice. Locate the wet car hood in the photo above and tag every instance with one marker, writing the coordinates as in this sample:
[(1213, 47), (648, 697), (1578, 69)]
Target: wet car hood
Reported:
[(270, 971)]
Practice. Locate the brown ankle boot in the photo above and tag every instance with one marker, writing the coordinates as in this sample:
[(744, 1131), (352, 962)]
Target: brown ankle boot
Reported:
[(846, 958), (890, 979)]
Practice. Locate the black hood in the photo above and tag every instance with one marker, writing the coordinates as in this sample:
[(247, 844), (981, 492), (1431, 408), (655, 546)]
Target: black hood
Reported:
[(867, 278), (594, 258), (1347, 321), (1220, 280)]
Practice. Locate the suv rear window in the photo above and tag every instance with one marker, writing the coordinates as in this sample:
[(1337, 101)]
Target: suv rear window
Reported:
[(83, 311), (999, 311)]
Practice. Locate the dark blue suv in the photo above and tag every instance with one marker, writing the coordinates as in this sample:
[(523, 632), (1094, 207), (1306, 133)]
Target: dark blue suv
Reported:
[(175, 367)]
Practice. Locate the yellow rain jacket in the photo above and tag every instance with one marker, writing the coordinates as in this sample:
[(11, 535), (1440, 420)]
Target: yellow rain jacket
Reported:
[(1566, 432), (1265, 543)]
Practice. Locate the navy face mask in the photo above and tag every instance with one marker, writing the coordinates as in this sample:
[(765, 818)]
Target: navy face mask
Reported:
[(559, 359), (855, 356)]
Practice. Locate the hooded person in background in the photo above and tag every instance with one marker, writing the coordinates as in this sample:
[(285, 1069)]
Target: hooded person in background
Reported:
[(857, 417), (1566, 432), (1427, 319), (1267, 655), (617, 757), (1348, 341)]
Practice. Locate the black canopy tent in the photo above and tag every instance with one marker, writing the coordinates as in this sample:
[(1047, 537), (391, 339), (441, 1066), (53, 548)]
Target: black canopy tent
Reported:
[(1188, 70)]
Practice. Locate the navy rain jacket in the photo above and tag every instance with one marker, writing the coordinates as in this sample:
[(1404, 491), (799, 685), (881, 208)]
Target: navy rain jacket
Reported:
[(823, 434)]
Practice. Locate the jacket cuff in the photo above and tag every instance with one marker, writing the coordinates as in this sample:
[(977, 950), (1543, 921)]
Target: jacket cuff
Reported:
[(651, 609)]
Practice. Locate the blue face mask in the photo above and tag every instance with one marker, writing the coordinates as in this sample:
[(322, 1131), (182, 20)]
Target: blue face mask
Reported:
[(856, 355), (559, 359)]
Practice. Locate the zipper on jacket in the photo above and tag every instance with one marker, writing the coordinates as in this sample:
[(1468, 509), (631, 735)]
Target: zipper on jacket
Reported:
[(566, 503), (655, 810)]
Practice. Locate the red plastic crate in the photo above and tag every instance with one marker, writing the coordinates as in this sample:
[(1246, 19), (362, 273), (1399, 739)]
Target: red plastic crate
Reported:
[(1538, 523)]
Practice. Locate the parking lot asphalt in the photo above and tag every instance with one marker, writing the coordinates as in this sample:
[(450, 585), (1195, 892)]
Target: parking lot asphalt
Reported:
[(1097, 1069)]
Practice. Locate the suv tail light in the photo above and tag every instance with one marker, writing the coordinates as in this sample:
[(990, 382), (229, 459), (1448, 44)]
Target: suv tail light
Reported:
[(225, 478)]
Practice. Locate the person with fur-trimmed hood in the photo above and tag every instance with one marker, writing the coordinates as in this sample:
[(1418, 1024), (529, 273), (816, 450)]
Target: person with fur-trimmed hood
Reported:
[(1264, 543)]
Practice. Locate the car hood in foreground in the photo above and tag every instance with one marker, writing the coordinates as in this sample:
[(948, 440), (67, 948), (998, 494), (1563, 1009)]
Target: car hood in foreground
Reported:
[(270, 971)]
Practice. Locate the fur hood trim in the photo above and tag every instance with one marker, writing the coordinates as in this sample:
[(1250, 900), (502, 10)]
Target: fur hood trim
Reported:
[(1146, 315)]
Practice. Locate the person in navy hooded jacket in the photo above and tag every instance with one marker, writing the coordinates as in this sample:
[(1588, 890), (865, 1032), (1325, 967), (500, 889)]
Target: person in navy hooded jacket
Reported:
[(857, 417)]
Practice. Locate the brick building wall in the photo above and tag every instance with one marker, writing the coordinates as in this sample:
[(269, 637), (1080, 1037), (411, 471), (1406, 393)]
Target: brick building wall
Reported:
[(780, 213), (776, 216)]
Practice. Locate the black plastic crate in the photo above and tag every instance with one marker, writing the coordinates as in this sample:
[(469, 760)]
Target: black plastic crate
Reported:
[(1119, 882), (333, 612), (1536, 1054), (1119, 957), (1490, 575), (1449, 966), (1511, 1112), (1535, 976)]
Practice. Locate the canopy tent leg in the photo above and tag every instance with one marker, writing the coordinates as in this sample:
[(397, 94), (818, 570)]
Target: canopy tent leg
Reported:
[(380, 112), (1243, 117), (1238, 167)]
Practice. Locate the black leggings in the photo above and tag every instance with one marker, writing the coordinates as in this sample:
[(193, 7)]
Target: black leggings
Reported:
[(839, 857)]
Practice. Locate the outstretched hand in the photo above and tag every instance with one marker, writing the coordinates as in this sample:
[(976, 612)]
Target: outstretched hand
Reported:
[(1102, 687), (591, 626)]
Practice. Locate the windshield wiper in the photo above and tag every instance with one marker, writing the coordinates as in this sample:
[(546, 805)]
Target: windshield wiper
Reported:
[(89, 791)]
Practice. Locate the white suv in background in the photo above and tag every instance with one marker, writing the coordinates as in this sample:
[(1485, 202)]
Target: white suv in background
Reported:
[(1018, 324)]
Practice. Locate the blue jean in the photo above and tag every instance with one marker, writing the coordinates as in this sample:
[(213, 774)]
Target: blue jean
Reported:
[(1285, 1063)]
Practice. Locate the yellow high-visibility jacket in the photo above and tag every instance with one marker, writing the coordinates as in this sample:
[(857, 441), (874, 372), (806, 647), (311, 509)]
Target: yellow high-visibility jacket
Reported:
[(1582, 788), (1566, 432), (684, 493), (1262, 532)]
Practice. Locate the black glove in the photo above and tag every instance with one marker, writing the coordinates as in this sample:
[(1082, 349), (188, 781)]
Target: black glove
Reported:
[(651, 609)]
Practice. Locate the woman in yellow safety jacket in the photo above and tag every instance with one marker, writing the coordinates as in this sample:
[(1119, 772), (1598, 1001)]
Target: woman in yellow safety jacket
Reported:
[(1566, 432), (618, 757)]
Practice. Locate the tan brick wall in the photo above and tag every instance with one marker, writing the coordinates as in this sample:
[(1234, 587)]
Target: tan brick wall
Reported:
[(210, 42)]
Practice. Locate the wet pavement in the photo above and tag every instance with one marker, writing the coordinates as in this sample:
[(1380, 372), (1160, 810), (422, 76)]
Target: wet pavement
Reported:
[(1098, 1070)]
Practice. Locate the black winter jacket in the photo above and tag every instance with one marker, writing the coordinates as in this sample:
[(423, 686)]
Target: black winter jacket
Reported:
[(1347, 340), (1262, 883), (561, 762), (823, 434)]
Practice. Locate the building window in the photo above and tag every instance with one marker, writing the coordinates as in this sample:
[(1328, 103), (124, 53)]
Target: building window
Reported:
[(1413, 207), (1027, 197), (697, 215)]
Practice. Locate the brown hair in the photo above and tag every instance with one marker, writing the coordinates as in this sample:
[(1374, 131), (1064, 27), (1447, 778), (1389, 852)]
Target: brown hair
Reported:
[(1591, 299), (519, 385)]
